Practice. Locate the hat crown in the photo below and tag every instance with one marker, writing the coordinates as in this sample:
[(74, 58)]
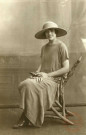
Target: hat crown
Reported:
[(50, 24)]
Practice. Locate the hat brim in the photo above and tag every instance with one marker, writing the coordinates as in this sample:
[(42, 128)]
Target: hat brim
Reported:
[(59, 32)]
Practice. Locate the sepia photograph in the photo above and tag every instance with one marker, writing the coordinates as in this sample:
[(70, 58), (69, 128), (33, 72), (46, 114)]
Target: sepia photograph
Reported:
[(42, 67)]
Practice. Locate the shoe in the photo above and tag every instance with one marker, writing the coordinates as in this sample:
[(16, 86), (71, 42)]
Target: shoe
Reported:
[(20, 125)]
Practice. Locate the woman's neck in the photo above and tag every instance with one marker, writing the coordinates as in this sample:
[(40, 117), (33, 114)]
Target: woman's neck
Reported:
[(52, 41)]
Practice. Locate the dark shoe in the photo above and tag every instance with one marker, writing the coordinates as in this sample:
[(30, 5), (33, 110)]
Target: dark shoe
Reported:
[(23, 122), (20, 125)]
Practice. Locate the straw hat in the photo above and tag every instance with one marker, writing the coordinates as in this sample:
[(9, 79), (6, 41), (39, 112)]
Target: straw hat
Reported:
[(50, 25)]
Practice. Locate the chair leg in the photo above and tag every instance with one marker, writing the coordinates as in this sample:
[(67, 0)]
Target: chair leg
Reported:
[(69, 113), (63, 106), (62, 117), (62, 102), (66, 111)]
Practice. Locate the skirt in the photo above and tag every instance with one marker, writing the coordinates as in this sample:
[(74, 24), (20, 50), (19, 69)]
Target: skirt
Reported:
[(37, 98)]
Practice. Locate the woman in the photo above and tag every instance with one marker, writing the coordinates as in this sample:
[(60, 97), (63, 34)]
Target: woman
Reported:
[(38, 92)]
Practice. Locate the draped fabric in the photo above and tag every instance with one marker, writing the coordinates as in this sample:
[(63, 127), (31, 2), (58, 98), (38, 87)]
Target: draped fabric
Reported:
[(36, 98), (21, 19), (78, 26)]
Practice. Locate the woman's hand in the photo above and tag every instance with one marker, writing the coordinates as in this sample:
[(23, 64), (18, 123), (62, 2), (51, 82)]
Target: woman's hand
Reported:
[(38, 76), (38, 79), (42, 74)]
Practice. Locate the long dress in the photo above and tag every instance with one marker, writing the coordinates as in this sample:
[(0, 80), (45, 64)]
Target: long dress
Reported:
[(37, 97)]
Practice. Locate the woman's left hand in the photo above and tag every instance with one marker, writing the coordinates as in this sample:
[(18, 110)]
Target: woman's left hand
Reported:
[(42, 74)]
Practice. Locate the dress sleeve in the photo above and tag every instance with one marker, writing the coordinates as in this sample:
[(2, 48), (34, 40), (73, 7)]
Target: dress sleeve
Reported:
[(64, 53)]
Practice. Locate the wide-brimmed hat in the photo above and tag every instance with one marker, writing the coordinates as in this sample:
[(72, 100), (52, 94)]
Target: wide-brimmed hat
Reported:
[(50, 25)]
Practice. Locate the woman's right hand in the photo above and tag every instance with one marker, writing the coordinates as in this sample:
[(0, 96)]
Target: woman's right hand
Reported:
[(39, 76), (38, 79)]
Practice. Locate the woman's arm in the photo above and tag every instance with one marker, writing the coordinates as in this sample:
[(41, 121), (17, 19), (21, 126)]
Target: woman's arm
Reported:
[(61, 71)]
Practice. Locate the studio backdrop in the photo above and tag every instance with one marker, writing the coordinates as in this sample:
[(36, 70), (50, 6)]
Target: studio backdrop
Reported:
[(20, 50)]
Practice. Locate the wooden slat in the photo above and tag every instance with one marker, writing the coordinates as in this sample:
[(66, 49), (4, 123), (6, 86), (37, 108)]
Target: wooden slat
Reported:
[(62, 117)]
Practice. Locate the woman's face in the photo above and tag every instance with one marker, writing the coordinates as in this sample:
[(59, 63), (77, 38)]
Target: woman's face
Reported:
[(50, 34)]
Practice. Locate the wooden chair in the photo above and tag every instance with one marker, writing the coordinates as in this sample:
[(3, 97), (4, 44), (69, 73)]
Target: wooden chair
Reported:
[(61, 113)]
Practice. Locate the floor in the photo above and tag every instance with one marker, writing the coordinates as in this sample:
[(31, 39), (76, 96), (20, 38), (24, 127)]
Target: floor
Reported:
[(8, 117)]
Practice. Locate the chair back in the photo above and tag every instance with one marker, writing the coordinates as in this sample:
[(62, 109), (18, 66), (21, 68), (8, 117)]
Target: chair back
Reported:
[(66, 77)]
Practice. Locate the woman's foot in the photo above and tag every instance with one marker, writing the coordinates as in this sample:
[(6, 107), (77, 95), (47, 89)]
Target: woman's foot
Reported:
[(23, 122), (20, 125)]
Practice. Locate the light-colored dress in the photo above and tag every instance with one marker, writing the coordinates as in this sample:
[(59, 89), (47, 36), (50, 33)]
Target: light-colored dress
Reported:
[(37, 97)]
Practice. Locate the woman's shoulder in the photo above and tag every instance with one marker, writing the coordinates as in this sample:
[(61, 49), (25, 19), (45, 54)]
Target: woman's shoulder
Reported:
[(62, 45), (44, 46)]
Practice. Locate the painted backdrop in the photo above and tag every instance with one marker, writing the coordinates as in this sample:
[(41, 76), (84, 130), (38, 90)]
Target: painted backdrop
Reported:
[(20, 51)]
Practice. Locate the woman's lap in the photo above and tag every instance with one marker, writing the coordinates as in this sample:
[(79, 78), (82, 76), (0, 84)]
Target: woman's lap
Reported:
[(37, 98)]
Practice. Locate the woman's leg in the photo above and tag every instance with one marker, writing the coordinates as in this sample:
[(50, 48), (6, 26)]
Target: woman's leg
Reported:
[(23, 120)]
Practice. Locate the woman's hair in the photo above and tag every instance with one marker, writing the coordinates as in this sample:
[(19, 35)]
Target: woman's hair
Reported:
[(51, 28)]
